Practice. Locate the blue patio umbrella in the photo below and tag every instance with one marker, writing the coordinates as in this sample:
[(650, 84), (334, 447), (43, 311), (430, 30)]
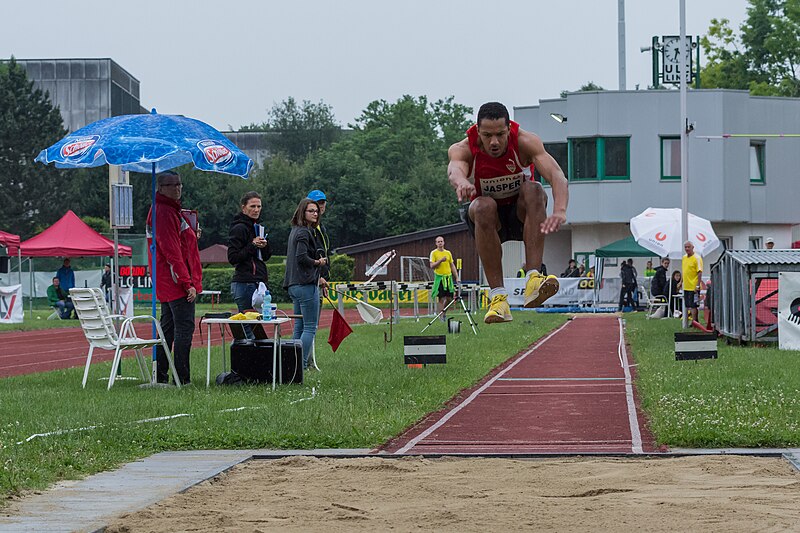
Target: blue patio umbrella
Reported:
[(149, 143)]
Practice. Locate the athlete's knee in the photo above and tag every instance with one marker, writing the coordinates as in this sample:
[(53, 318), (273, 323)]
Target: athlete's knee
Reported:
[(483, 210), (532, 191)]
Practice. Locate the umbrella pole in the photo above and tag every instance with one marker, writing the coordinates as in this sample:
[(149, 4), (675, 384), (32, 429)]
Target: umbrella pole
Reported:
[(153, 268)]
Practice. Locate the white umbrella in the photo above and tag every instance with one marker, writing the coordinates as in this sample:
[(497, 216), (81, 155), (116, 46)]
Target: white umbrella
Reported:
[(659, 230)]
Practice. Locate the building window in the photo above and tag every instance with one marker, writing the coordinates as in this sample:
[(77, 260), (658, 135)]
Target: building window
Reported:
[(727, 242), (670, 158), (757, 174), (559, 152), (604, 158), (754, 243), (615, 152)]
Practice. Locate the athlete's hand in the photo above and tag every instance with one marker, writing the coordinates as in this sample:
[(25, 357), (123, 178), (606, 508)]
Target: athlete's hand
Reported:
[(192, 294), (465, 190), (553, 223)]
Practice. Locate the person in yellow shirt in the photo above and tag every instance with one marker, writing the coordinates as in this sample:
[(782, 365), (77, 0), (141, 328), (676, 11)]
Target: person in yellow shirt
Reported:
[(692, 266), (444, 270)]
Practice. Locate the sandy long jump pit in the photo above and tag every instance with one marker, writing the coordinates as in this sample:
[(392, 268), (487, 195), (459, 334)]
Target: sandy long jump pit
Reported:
[(699, 493)]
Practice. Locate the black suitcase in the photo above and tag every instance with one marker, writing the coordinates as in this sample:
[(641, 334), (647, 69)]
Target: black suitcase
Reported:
[(253, 360)]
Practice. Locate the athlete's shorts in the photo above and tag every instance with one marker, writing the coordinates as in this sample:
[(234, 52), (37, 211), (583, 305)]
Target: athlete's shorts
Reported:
[(510, 225), (442, 286), (690, 299)]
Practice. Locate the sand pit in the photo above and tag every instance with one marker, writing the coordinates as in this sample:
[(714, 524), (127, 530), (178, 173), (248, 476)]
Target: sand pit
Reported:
[(708, 493)]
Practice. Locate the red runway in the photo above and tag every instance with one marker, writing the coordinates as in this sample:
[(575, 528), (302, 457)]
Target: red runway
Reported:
[(26, 352), (571, 393)]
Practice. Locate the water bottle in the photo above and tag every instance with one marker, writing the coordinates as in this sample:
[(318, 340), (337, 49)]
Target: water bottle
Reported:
[(266, 307)]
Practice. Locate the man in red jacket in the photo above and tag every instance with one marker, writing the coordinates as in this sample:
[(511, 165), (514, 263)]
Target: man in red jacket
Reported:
[(178, 275)]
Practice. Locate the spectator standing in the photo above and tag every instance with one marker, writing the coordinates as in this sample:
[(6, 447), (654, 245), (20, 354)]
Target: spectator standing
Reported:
[(66, 276), (769, 244), (59, 299), (572, 270), (302, 274), (321, 236), (248, 252), (441, 261), (649, 271), (105, 282), (178, 275), (692, 274), (627, 274)]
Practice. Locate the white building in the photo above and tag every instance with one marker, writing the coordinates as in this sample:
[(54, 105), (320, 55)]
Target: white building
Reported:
[(620, 151)]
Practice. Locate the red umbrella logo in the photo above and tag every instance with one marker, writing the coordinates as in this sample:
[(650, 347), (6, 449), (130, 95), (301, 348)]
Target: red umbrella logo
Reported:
[(661, 236), (701, 237)]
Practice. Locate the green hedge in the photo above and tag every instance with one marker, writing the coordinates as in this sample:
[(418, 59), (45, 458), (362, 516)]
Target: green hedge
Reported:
[(218, 278)]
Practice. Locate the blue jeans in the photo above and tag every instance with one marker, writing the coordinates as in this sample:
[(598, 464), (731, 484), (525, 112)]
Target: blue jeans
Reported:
[(243, 296), (306, 303), (177, 322), (65, 309)]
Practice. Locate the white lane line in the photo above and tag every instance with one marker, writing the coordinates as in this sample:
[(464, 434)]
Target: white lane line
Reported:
[(439, 423), (633, 420)]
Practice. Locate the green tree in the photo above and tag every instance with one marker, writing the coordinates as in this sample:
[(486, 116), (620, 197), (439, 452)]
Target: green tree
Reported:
[(299, 129), (586, 87), (30, 192), (764, 58)]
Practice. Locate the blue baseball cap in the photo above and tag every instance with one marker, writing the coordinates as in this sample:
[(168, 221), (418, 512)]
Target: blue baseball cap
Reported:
[(317, 195)]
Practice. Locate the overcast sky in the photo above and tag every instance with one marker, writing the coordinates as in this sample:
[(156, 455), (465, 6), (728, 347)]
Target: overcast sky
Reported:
[(227, 62)]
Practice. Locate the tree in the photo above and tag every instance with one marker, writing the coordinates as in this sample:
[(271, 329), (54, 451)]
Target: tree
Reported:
[(30, 193), (586, 87), (299, 129), (764, 58)]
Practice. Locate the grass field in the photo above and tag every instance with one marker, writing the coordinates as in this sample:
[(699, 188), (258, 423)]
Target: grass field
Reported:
[(363, 396), (748, 397)]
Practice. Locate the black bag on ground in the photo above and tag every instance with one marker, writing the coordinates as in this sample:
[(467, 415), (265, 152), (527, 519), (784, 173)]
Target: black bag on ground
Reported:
[(230, 378), (252, 360)]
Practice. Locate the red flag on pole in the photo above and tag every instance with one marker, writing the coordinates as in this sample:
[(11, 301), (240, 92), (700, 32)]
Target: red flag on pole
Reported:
[(339, 330)]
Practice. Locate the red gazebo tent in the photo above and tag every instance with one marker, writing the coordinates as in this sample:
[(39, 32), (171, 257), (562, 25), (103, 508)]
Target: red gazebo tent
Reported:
[(216, 253), (11, 242), (70, 237)]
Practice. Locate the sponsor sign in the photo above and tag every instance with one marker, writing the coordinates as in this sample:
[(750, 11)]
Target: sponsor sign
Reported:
[(11, 304), (216, 153), (137, 278), (789, 310), (77, 148), (571, 291)]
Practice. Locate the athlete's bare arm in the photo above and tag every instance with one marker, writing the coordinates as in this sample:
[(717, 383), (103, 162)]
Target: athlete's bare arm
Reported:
[(532, 151), (458, 170)]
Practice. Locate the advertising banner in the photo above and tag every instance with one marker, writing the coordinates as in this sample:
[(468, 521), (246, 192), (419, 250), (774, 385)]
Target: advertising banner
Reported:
[(789, 310), (571, 291), (11, 304)]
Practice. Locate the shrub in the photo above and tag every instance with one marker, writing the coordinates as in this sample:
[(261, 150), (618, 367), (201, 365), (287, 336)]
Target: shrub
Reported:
[(342, 266)]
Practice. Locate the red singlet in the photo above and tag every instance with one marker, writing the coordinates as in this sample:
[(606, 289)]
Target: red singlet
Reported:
[(498, 177)]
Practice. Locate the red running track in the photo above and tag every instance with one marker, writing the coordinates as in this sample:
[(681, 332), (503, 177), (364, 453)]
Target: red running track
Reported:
[(27, 352), (570, 393)]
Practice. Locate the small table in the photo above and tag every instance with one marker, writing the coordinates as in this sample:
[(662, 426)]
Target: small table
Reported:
[(276, 353), (215, 295)]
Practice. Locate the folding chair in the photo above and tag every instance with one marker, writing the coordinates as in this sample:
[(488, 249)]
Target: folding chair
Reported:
[(657, 304), (55, 315), (98, 327)]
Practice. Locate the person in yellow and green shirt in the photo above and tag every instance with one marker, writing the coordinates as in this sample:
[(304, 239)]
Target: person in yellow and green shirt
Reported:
[(444, 269), (692, 267)]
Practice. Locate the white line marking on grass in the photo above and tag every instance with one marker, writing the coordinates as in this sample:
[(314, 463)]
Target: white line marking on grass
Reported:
[(633, 420), (439, 423), (313, 395)]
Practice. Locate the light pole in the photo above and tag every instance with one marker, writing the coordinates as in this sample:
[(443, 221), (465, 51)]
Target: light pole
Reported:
[(684, 140)]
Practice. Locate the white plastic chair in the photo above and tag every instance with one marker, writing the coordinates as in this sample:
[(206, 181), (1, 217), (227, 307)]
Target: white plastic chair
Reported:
[(98, 327)]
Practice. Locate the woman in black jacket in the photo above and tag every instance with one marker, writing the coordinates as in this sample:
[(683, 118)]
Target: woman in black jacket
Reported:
[(303, 263), (247, 252)]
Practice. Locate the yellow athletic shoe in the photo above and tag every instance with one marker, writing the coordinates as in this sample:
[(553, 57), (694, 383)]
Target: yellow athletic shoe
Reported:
[(499, 311), (539, 288)]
